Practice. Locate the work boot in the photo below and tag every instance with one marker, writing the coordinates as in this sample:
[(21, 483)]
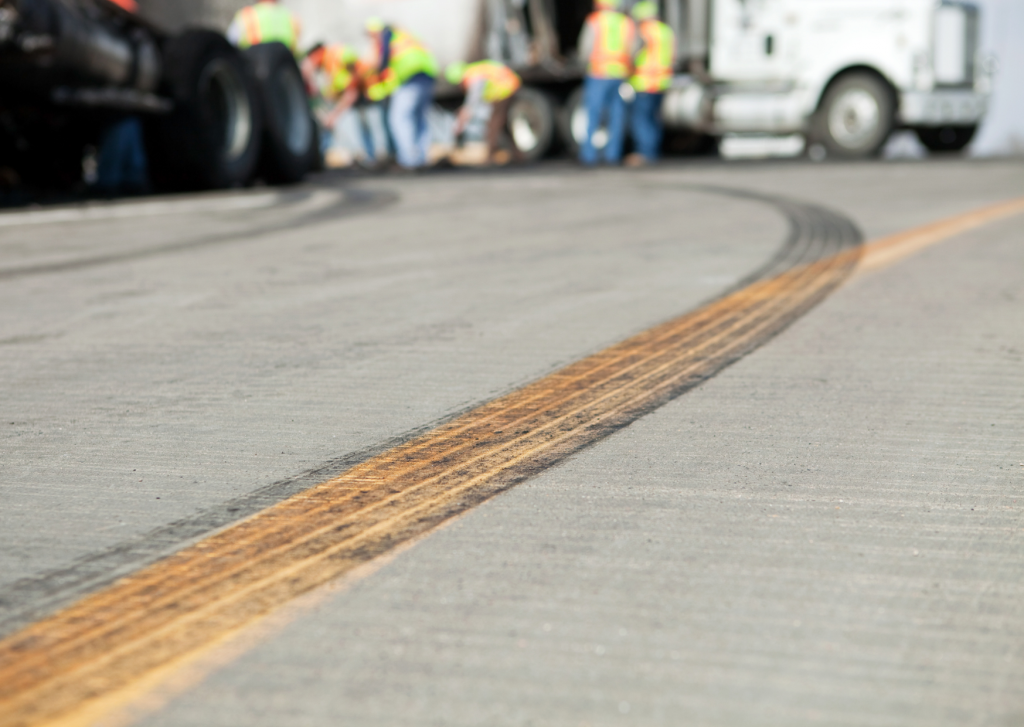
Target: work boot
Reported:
[(636, 160)]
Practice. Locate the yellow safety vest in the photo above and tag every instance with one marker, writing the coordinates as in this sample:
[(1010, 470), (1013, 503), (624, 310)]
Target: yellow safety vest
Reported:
[(653, 72), (267, 22), (339, 64), (408, 58)]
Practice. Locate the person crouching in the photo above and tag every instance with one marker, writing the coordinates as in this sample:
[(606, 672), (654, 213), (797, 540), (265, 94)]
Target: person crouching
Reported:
[(491, 83)]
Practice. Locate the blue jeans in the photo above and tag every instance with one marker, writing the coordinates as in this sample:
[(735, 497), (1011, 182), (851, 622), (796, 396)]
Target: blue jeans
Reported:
[(601, 98), (122, 158), (645, 124), (407, 120), (365, 133), (351, 125)]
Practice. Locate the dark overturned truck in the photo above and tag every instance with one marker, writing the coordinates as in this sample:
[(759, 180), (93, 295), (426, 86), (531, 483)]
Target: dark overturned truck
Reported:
[(212, 116)]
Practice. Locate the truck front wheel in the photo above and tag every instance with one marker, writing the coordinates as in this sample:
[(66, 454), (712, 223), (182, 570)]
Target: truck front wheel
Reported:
[(946, 138), (856, 116), (212, 138)]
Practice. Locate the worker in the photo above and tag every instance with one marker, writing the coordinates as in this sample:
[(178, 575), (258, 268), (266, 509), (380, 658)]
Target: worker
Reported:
[(122, 166), (652, 76), (265, 22), (344, 82), (405, 72), (486, 82), (607, 42)]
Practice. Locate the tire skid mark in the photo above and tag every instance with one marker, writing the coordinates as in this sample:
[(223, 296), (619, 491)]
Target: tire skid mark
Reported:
[(405, 479), (321, 206), (31, 598), (176, 605)]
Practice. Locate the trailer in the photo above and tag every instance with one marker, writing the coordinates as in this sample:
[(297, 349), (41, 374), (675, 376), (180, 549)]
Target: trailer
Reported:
[(213, 116), (844, 73)]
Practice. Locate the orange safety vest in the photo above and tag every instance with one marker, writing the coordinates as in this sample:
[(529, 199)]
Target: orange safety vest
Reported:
[(340, 65), (654, 61), (501, 81), (613, 43)]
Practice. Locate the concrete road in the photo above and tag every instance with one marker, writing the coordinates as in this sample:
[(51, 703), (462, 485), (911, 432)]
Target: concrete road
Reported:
[(828, 532)]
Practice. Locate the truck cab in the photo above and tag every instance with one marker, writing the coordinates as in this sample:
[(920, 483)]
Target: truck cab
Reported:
[(843, 72)]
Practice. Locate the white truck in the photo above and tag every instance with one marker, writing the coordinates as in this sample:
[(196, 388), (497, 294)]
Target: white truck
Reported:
[(844, 73)]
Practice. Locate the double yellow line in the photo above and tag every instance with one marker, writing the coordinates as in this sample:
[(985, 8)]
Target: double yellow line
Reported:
[(58, 669)]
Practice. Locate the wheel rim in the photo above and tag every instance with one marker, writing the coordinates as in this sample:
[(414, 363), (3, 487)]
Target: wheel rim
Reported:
[(523, 135), (228, 103), (291, 111), (523, 123), (580, 124), (854, 118)]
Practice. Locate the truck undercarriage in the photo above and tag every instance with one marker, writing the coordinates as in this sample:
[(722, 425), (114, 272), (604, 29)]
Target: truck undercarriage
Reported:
[(212, 116)]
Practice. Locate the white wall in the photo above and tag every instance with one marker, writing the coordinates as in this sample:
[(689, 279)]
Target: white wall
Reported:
[(1003, 34), (447, 27)]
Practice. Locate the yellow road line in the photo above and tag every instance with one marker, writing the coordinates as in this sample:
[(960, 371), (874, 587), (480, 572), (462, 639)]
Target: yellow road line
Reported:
[(888, 250), (78, 662)]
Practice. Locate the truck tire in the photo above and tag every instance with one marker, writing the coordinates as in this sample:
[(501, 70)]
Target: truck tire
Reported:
[(289, 133), (856, 116), (212, 138), (685, 142), (946, 138), (572, 122), (531, 122)]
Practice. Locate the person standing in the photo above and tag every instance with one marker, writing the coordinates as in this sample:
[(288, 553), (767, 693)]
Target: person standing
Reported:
[(652, 76), (486, 82), (265, 22), (608, 42), (123, 167), (405, 73)]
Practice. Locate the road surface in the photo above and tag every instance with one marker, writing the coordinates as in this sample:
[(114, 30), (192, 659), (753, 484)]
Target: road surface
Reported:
[(827, 531)]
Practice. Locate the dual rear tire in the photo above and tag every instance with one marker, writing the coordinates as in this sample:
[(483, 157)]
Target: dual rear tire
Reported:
[(212, 137), (573, 124), (531, 123), (538, 124), (235, 116)]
